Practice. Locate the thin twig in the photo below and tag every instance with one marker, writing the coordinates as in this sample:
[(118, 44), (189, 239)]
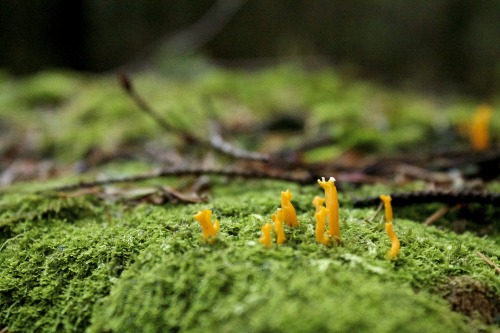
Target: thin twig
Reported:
[(437, 215), (226, 148), (216, 141), (188, 171), (489, 262), (127, 85), (376, 213)]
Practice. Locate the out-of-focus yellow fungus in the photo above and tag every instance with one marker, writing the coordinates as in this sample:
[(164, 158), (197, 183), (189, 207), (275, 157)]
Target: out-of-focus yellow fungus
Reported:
[(332, 204), (395, 245), (289, 215), (278, 226), (266, 235), (318, 203), (204, 217), (321, 225), (479, 131)]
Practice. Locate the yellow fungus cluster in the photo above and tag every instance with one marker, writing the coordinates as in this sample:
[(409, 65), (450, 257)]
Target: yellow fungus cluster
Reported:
[(326, 209), (395, 245), (204, 217), (284, 215), (478, 130)]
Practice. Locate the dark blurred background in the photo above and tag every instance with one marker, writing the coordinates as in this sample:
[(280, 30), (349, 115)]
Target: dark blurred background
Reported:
[(444, 45)]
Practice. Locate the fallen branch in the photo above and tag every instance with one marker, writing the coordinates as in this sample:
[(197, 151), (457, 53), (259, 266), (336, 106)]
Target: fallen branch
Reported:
[(219, 144), (188, 171)]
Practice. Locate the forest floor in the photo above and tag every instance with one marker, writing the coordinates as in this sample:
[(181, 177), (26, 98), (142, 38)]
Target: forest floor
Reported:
[(101, 176)]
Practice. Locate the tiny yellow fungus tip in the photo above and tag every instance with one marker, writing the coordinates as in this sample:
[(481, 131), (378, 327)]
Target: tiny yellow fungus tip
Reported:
[(321, 225), (332, 205), (266, 235), (204, 217), (289, 215), (330, 180), (278, 226), (318, 203), (478, 130)]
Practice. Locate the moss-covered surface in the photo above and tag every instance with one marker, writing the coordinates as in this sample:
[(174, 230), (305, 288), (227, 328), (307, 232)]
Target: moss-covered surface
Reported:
[(76, 263)]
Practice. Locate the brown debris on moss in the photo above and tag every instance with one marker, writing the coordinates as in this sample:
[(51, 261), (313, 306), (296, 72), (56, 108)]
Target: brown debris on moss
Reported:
[(472, 298)]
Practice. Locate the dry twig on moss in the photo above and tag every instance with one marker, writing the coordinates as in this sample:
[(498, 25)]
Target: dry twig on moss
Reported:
[(489, 262), (189, 171)]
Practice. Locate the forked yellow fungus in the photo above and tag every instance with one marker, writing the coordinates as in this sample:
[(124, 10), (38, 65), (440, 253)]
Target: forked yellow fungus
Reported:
[(318, 203), (321, 225), (289, 215), (204, 217), (332, 204), (478, 131), (266, 235), (278, 226), (395, 245)]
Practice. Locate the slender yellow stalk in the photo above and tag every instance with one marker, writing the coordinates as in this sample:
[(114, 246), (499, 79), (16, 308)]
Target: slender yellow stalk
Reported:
[(266, 235), (321, 225), (278, 226), (388, 207), (395, 244)]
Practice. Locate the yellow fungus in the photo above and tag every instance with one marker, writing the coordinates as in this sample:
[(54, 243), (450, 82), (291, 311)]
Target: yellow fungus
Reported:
[(478, 131), (332, 204), (388, 207), (204, 217), (289, 215), (278, 226), (395, 245), (321, 225), (266, 235), (318, 203)]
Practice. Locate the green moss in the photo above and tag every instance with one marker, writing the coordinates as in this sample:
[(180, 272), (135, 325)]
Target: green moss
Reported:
[(149, 270), (81, 263), (39, 207), (249, 289), (52, 274)]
